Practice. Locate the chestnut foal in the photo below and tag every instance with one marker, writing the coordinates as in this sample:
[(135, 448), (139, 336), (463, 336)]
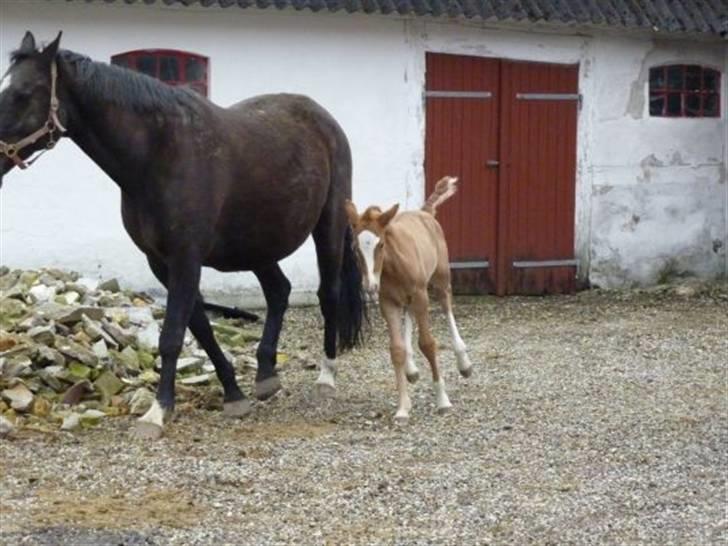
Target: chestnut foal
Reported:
[(403, 254)]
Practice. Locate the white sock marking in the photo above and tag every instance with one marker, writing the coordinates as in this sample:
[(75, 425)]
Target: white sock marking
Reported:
[(155, 415), (328, 372), (411, 366), (458, 344), (440, 395)]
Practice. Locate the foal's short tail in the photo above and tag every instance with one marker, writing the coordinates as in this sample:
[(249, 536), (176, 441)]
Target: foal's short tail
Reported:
[(351, 315), (444, 190)]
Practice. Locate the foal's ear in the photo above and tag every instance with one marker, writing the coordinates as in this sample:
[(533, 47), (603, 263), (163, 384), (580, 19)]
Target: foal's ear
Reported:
[(27, 45), (387, 216), (351, 212), (49, 51)]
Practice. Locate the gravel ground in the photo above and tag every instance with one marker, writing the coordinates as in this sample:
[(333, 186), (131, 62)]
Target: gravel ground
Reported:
[(592, 419)]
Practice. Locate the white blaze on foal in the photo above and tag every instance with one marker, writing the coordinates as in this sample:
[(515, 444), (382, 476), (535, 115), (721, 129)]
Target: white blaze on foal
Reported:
[(403, 254), (368, 243)]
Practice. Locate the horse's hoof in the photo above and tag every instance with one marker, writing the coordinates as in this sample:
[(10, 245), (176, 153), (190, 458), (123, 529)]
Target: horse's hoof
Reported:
[(324, 390), (467, 372), (413, 377), (239, 408), (444, 410), (267, 388), (144, 430)]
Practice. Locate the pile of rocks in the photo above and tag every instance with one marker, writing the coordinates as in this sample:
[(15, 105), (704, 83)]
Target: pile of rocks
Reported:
[(74, 350)]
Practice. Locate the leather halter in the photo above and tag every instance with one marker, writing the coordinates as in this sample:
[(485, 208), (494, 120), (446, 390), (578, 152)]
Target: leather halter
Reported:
[(50, 127)]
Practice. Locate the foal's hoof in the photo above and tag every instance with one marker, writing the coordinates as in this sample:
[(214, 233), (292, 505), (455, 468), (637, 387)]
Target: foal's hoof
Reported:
[(444, 410), (467, 372), (401, 420), (267, 388), (413, 376), (324, 390), (144, 430), (239, 408)]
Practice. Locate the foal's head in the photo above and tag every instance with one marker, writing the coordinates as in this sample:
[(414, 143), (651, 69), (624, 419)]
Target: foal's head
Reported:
[(369, 229), (25, 103)]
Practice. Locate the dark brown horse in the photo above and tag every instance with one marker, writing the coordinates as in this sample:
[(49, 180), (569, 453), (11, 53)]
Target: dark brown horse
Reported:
[(236, 189)]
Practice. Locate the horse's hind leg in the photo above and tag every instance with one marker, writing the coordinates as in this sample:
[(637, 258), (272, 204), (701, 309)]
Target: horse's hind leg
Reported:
[(234, 402), (428, 346), (329, 249), (413, 374), (276, 289), (443, 293), (182, 281)]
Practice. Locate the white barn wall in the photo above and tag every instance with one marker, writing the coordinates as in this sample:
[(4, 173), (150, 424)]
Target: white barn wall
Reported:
[(369, 72), (65, 211), (658, 183)]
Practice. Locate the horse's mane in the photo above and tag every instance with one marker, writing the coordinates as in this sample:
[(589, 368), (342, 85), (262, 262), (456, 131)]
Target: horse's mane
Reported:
[(127, 88)]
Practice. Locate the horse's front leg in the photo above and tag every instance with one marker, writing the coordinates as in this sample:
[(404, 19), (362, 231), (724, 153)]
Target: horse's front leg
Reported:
[(183, 279)]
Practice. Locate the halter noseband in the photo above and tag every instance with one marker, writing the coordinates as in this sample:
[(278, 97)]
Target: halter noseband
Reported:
[(52, 124)]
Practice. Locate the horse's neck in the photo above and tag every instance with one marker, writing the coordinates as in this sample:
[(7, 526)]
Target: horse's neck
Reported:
[(91, 125)]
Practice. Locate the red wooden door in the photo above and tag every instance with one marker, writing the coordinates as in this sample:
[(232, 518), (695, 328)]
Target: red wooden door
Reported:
[(537, 178), (461, 135), (508, 130)]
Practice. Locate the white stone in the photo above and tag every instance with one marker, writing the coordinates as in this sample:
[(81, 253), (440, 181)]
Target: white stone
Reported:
[(42, 293), (148, 337), (71, 421), (100, 349), (196, 379), (20, 397), (6, 427)]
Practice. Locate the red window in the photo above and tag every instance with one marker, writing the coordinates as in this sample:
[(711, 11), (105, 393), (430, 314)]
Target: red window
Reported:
[(169, 65), (688, 91)]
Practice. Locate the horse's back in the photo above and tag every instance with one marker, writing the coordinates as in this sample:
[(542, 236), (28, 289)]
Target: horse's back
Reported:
[(422, 244)]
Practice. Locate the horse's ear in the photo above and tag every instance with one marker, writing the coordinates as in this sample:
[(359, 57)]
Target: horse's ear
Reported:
[(27, 45), (351, 212), (49, 51), (387, 216)]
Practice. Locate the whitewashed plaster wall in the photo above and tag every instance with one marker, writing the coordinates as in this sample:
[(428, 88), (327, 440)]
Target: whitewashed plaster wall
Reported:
[(647, 189), (658, 184), (65, 212)]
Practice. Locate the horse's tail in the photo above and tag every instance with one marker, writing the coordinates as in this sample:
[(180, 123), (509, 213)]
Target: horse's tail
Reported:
[(444, 190), (351, 315)]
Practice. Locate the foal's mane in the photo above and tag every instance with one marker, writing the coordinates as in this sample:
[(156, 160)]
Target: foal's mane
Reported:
[(127, 88)]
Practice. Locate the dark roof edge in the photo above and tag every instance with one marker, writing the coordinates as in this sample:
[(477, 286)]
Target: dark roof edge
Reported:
[(695, 19)]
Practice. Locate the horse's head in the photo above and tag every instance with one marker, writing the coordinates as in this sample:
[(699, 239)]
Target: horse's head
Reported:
[(369, 230), (28, 103)]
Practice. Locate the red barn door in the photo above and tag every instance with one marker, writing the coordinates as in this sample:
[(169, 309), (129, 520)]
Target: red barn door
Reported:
[(508, 130)]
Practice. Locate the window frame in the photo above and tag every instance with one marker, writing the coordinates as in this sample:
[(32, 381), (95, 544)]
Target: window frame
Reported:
[(130, 60), (667, 92)]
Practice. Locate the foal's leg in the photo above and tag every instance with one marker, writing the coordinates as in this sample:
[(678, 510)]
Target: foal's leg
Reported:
[(428, 346), (183, 279), (444, 296), (276, 289), (393, 316), (413, 374)]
